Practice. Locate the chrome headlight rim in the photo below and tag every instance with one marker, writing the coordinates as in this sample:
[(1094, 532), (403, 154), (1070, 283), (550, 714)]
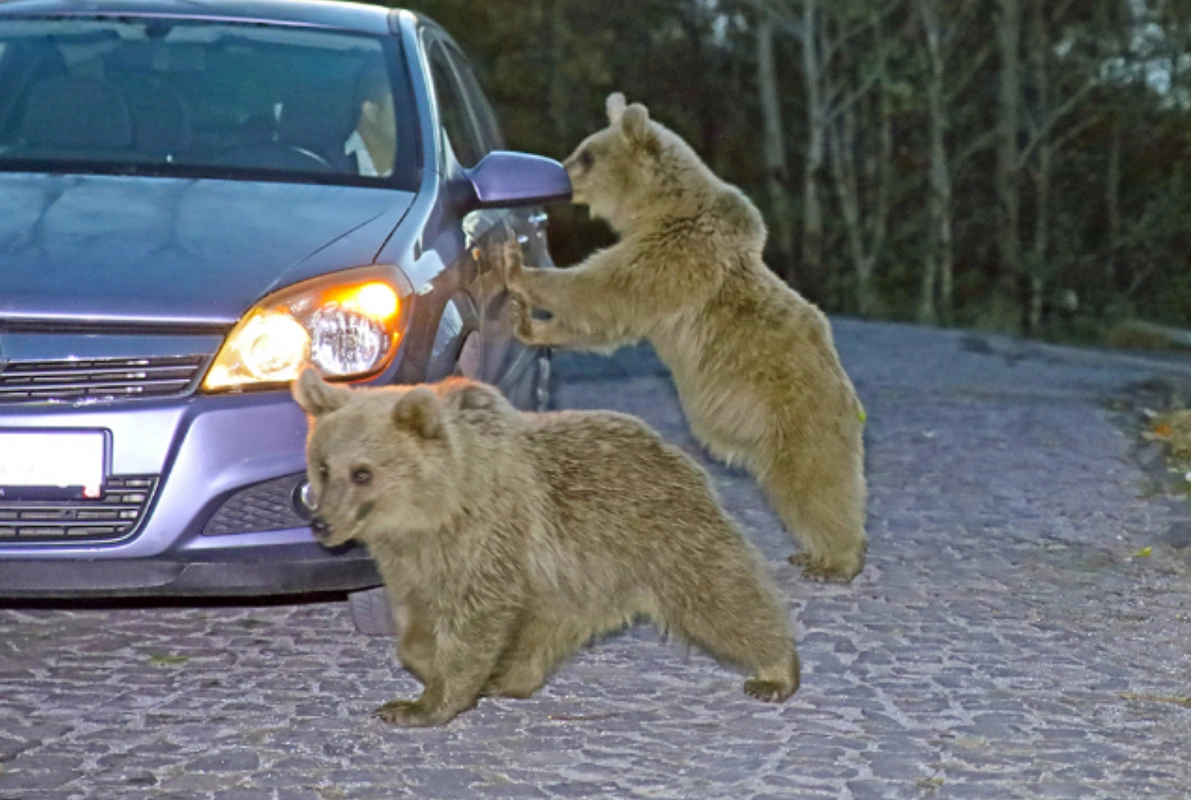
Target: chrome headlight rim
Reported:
[(380, 294)]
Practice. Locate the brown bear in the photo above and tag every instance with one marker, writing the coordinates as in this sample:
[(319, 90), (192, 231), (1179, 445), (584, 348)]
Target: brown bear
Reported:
[(754, 363), (506, 540)]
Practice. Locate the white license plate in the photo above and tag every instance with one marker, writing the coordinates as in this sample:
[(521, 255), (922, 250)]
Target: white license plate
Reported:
[(52, 459)]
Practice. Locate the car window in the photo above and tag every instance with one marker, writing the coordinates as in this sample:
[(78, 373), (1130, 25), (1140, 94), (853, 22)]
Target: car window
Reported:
[(454, 116), (485, 117), (162, 96)]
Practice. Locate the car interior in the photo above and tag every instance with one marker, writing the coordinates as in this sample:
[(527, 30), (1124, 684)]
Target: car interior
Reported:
[(157, 97)]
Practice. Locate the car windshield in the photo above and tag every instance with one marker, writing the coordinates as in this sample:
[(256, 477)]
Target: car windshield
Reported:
[(190, 97)]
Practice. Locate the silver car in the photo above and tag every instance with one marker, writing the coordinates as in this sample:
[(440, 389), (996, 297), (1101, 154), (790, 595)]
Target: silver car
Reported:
[(196, 200)]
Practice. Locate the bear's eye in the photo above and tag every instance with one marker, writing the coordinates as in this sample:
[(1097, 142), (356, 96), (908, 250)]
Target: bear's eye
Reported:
[(323, 472), (586, 158), (361, 476)]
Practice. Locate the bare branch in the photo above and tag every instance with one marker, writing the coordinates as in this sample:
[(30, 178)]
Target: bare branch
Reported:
[(1060, 10), (974, 65), (852, 97), (782, 17), (875, 18), (869, 80), (962, 12), (929, 16), (1139, 279), (1075, 130), (981, 142), (1053, 118)]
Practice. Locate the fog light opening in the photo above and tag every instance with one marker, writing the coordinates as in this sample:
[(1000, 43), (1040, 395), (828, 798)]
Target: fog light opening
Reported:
[(304, 501)]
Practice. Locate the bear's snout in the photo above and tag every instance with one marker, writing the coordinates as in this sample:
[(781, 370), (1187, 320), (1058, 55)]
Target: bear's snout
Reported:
[(321, 529)]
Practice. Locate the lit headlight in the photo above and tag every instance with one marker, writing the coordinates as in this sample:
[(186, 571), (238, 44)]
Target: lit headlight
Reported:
[(348, 325)]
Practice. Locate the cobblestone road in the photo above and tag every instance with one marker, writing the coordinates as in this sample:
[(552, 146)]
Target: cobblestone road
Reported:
[(1002, 643)]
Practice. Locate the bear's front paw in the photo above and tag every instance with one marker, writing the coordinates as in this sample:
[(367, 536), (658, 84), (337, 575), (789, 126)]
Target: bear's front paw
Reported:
[(509, 259), (521, 319), (768, 691), (411, 714), (842, 571), (519, 683)]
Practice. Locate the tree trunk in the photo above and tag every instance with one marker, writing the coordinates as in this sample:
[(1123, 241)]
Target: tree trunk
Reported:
[(1039, 265), (559, 92), (842, 138), (1008, 151), (861, 165), (812, 282), (935, 298), (776, 170), (880, 171), (1112, 196)]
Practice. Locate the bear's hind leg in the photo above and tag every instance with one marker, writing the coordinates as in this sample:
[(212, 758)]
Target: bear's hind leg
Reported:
[(824, 511), (738, 621)]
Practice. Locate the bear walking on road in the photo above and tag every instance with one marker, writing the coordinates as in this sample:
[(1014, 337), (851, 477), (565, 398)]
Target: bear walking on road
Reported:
[(506, 540), (754, 363)]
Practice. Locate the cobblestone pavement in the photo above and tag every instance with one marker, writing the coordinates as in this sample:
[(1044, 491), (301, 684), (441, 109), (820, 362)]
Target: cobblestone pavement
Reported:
[(1004, 641)]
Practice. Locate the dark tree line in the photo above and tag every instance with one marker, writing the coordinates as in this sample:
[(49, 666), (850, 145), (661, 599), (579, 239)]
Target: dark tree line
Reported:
[(1011, 164)]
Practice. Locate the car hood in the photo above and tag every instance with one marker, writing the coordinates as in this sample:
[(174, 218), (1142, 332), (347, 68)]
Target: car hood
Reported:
[(164, 250)]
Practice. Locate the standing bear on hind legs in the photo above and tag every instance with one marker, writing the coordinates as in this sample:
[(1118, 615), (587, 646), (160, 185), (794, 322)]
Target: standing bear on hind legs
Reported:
[(756, 369)]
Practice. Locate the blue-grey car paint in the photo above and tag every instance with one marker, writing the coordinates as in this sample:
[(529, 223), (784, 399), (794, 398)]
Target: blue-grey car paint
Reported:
[(495, 183), (211, 446), (196, 251)]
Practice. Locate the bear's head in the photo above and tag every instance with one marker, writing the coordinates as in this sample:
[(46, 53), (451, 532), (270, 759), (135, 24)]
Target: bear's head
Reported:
[(630, 167), (379, 461)]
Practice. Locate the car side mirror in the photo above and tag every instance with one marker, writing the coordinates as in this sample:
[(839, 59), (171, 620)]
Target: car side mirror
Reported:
[(504, 179)]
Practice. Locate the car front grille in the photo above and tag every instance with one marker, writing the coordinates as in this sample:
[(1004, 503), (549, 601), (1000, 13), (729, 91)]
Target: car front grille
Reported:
[(115, 515), (75, 380), (268, 506)]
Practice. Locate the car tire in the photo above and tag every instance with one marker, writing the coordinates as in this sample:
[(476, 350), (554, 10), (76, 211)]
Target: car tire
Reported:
[(371, 612)]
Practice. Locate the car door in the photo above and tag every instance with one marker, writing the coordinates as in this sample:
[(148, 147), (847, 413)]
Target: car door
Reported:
[(460, 146), (504, 359)]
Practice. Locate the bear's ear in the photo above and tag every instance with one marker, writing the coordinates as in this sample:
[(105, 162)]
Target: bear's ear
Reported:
[(468, 395), (614, 105), (316, 396), (417, 411), (635, 124)]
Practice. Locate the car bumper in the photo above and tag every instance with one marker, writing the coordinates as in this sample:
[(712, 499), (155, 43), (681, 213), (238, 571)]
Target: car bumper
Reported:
[(281, 571), (219, 518)]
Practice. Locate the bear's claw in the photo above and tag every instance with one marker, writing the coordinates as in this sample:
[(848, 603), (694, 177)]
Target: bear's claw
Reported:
[(521, 319), (767, 691), (408, 714), (818, 571)]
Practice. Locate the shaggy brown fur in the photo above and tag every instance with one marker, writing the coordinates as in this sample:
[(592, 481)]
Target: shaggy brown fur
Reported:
[(754, 363), (506, 540)]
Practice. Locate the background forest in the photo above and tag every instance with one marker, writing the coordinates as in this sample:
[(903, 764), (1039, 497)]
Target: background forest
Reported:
[(1018, 165)]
